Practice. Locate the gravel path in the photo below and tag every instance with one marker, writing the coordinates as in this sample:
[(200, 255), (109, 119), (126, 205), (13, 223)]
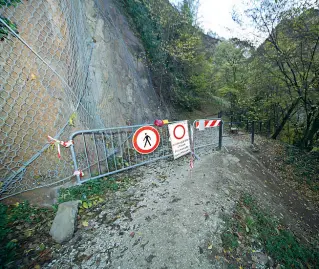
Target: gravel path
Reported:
[(172, 218)]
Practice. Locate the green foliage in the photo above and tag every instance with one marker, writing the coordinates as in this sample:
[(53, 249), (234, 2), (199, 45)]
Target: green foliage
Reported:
[(9, 3), (283, 75), (9, 217), (4, 31), (7, 252), (4, 230), (228, 91), (88, 189), (230, 72), (20, 212), (147, 26), (186, 101), (8, 248), (174, 48), (24, 212), (281, 244), (72, 119), (229, 239), (277, 81), (305, 165), (250, 221)]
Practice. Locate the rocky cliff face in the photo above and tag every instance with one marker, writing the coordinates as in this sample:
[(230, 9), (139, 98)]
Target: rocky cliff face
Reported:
[(75, 65), (119, 77)]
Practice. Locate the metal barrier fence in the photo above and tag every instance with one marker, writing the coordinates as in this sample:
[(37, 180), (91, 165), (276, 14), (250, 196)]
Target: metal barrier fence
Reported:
[(210, 137), (46, 87), (102, 152), (247, 127), (48, 84)]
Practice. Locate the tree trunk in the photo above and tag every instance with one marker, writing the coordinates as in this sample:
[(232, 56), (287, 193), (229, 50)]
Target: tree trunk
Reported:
[(304, 140), (285, 119), (308, 139)]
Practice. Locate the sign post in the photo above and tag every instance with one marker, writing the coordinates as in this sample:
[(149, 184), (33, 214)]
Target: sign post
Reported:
[(178, 133)]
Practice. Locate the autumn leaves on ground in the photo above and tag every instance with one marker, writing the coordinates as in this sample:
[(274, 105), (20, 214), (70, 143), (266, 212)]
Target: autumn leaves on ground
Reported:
[(257, 231), (243, 207)]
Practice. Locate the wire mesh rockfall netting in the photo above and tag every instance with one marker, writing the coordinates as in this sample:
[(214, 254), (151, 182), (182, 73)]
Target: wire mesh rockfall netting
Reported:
[(45, 53)]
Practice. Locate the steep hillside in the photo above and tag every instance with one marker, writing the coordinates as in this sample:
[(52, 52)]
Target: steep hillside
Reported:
[(65, 66), (176, 48), (119, 75)]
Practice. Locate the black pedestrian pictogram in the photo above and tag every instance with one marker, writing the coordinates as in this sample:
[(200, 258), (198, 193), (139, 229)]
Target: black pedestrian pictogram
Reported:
[(147, 139)]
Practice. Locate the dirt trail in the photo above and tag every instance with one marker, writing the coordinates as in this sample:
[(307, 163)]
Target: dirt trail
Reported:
[(172, 215)]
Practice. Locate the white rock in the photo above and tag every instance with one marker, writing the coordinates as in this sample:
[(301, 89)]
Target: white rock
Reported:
[(62, 228)]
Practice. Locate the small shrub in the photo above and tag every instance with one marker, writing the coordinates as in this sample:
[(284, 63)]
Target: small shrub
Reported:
[(4, 31), (88, 189), (7, 249), (279, 243)]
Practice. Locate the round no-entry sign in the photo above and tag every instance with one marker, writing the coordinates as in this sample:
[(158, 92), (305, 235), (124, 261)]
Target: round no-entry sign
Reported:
[(146, 139), (179, 131)]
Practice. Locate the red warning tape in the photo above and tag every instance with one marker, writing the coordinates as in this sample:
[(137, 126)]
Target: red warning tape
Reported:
[(58, 143), (78, 173), (191, 163)]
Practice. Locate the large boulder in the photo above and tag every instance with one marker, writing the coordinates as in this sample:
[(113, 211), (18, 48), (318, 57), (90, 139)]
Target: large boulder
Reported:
[(63, 226)]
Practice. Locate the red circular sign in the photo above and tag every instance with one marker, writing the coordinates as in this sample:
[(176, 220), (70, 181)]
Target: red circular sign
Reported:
[(146, 139), (179, 136)]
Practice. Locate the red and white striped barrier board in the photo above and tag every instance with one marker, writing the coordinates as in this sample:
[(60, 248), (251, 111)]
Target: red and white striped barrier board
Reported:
[(209, 123)]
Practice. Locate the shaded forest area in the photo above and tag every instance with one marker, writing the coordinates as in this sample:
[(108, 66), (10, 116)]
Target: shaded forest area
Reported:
[(179, 60), (277, 80)]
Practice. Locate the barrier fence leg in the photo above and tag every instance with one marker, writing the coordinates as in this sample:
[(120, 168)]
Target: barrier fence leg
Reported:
[(78, 179), (220, 141), (253, 132), (192, 139)]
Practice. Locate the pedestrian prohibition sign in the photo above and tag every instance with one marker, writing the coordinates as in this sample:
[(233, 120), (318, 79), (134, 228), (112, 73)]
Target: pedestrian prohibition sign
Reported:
[(146, 139)]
